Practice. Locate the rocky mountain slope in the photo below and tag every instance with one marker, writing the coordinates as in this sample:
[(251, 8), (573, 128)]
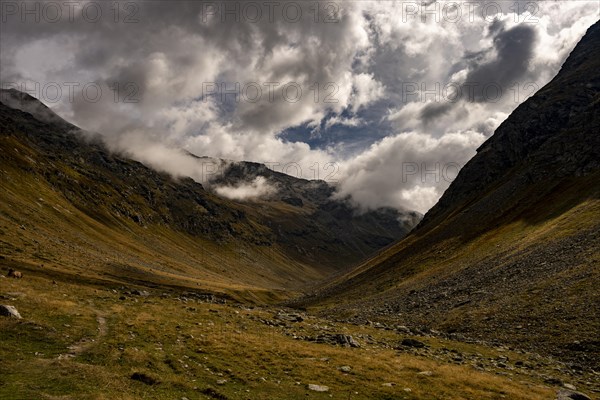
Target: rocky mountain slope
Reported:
[(319, 219), (511, 252), (66, 201)]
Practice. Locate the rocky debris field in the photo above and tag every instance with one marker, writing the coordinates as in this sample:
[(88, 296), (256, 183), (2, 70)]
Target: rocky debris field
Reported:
[(507, 299), (299, 325), (503, 360)]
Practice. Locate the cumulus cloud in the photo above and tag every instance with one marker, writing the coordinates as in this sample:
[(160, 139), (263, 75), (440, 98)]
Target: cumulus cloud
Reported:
[(409, 171), (354, 79), (366, 91), (258, 188)]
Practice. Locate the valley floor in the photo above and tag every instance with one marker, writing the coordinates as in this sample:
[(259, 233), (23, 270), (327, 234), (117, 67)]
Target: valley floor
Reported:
[(85, 339)]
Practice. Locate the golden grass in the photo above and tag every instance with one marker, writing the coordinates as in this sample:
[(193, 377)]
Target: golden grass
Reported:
[(39, 225), (190, 347)]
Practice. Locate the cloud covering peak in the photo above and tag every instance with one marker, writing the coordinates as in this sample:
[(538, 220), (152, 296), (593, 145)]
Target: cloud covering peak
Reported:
[(357, 93), (258, 188)]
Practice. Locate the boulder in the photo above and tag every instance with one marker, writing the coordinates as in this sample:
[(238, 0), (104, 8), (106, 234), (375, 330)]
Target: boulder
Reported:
[(343, 340), (144, 378), (566, 394), (347, 340), (336, 339), (14, 274), (403, 329), (9, 311), (318, 388), (412, 343), (289, 317)]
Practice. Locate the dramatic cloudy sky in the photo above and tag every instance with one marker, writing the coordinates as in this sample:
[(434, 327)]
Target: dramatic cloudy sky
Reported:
[(387, 99)]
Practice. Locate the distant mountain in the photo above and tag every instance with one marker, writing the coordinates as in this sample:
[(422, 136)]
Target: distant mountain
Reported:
[(67, 202), (511, 252), (318, 217)]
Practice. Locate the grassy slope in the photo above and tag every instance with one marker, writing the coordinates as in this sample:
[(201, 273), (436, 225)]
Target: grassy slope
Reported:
[(572, 208), (531, 282), (185, 346), (62, 349), (68, 203), (39, 225)]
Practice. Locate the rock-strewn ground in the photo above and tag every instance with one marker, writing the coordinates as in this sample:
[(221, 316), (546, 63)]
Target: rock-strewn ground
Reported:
[(80, 339)]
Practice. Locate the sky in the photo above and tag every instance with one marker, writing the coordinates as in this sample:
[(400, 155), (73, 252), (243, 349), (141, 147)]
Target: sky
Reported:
[(386, 100)]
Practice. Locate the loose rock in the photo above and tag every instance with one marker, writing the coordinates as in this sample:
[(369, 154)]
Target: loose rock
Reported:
[(141, 377), (412, 343), (289, 317), (565, 394), (9, 311), (318, 388), (337, 339)]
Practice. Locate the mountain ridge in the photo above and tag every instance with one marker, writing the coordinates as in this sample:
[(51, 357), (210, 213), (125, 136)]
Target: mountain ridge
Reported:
[(272, 244)]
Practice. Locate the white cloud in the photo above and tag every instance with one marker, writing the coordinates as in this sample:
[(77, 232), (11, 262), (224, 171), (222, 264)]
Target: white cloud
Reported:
[(409, 171), (256, 189), (338, 120), (366, 91)]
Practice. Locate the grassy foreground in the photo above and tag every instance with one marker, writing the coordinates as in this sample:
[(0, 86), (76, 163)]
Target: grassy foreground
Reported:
[(86, 340)]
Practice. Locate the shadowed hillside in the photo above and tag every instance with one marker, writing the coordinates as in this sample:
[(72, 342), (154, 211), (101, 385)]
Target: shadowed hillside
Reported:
[(71, 205), (511, 252)]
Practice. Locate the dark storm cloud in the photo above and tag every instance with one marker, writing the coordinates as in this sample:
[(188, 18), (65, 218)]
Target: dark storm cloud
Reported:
[(435, 110), (488, 80), (514, 49)]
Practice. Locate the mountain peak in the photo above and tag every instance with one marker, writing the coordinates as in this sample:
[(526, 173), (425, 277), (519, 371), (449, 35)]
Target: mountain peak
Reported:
[(552, 112), (18, 100)]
